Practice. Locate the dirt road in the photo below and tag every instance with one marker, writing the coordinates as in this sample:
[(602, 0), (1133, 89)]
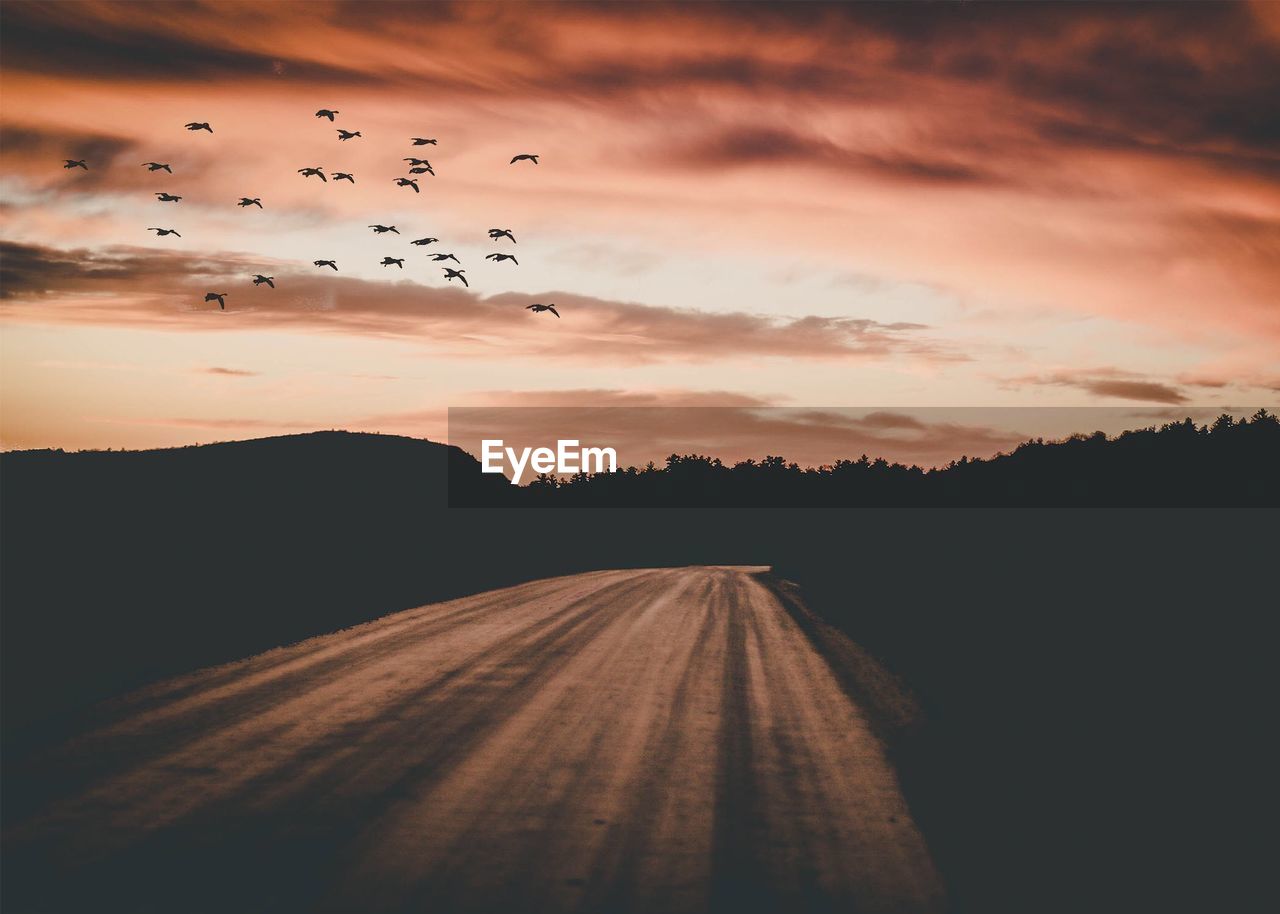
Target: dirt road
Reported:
[(653, 740)]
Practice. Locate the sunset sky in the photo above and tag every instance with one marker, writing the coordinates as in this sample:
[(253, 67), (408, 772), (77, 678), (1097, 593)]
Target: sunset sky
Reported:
[(878, 206)]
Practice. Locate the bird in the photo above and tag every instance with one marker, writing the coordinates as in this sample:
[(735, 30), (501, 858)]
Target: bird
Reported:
[(307, 172), (415, 161), (161, 232), (440, 257), (408, 182), (325, 112), (456, 274), (381, 229), (75, 163), (498, 258), (422, 169), (421, 241), (199, 125), (522, 157), (537, 308), (422, 141), (250, 201), (495, 234), (326, 263), (168, 198), (219, 297), (348, 134), (388, 261), (259, 279), (156, 166), (343, 176)]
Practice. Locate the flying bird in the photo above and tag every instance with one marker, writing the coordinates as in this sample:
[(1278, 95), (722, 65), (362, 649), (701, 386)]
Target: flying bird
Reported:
[(456, 274), (325, 112), (348, 134), (250, 201), (440, 257), (343, 176), (326, 263), (422, 169), (168, 198), (219, 297), (388, 261), (307, 172), (161, 232), (199, 125), (381, 229), (414, 161), (408, 182), (522, 157), (537, 308), (495, 234), (156, 166), (259, 279), (422, 141), (75, 163), (498, 258), (425, 241)]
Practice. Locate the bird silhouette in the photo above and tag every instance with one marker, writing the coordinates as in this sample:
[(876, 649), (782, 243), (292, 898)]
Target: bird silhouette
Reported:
[(522, 157), (415, 161), (425, 241), (325, 112), (326, 263), (440, 257), (250, 201), (398, 261), (343, 176), (168, 198), (422, 170), (259, 279), (456, 274), (75, 163), (307, 172), (156, 166), (161, 232), (538, 308), (219, 297), (422, 141), (408, 182), (199, 125), (498, 258), (348, 134), (381, 229), (495, 234)]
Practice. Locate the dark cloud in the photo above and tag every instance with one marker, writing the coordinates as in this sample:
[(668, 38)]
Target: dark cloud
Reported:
[(1175, 78), (1107, 382), (768, 145), (165, 289), (229, 372), (146, 43)]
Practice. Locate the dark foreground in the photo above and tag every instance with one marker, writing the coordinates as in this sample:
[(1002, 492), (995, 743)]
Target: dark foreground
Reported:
[(652, 740)]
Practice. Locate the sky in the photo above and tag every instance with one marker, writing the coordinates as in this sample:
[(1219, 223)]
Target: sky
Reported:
[(895, 207)]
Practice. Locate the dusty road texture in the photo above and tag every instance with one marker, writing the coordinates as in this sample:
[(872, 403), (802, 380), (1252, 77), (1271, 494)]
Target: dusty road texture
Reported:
[(661, 740)]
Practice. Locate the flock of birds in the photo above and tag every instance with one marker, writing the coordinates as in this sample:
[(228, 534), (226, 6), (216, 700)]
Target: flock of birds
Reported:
[(417, 166)]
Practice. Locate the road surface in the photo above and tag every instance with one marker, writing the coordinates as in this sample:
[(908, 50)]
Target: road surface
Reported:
[(662, 740)]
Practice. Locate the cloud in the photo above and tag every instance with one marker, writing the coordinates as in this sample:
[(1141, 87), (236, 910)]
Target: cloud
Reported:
[(1106, 382), (165, 290), (598, 397), (229, 372), (772, 146)]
